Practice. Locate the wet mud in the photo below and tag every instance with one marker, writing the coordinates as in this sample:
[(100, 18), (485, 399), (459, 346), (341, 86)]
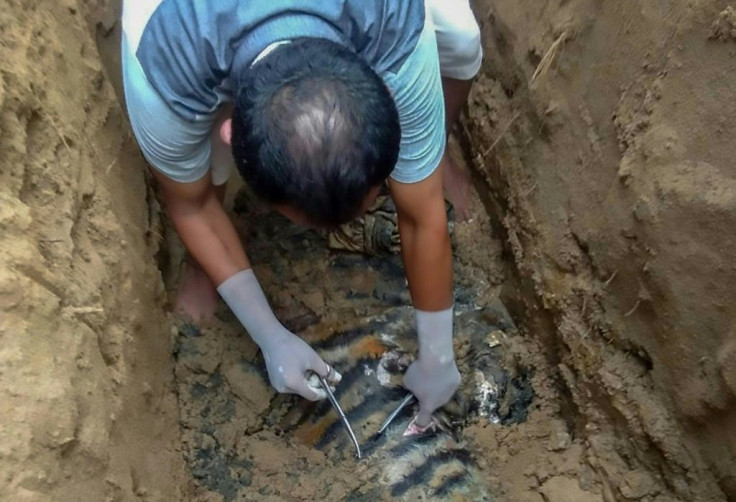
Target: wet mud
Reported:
[(598, 135), (353, 308), (372, 358)]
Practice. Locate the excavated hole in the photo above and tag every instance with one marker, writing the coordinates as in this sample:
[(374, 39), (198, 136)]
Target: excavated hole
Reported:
[(606, 189), (503, 435), (352, 307)]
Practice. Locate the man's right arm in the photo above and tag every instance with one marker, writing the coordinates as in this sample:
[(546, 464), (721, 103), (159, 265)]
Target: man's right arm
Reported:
[(210, 237), (203, 226), (179, 151)]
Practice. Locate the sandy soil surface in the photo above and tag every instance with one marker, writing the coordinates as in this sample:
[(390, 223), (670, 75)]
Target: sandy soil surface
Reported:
[(243, 442), (600, 132), (600, 138), (86, 407)]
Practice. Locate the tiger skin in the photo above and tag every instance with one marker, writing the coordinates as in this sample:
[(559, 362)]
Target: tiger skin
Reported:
[(372, 358)]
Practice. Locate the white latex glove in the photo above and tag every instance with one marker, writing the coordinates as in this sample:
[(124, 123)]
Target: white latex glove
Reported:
[(433, 378), (289, 359)]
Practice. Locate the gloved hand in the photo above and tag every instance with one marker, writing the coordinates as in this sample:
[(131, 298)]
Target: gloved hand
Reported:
[(433, 378), (289, 359)]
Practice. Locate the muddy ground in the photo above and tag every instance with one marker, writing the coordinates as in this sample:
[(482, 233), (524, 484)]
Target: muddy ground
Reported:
[(598, 136), (85, 365), (599, 131), (237, 443)]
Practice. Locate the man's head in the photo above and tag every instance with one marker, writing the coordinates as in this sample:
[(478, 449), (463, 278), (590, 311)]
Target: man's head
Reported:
[(315, 131)]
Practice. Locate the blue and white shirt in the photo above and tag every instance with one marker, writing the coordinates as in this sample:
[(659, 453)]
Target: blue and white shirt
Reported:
[(178, 56)]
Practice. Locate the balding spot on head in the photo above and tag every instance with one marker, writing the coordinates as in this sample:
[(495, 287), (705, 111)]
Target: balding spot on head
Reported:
[(315, 124), (313, 127)]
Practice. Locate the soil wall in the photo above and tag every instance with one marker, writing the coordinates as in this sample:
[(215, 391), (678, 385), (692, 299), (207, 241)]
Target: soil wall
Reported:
[(601, 136), (86, 403), (602, 133)]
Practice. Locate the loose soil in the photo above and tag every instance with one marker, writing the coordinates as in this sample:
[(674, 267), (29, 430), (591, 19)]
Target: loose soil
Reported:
[(86, 407), (238, 441), (599, 140)]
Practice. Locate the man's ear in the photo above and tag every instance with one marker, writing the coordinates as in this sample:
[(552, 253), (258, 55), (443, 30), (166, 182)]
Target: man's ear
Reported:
[(226, 132)]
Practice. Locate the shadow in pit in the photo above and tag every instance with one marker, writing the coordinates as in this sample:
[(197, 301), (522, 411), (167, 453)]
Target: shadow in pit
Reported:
[(362, 327), (372, 357)]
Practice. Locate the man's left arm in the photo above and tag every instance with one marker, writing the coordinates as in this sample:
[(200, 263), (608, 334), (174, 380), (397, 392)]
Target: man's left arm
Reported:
[(427, 255), (425, 241)]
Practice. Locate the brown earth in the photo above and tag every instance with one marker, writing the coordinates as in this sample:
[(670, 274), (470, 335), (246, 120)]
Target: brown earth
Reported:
[(602, 133), (600, 138), (234, 438), (87, 410)]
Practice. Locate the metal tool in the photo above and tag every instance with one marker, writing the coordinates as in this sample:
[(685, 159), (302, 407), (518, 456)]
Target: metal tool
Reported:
[(340, 413), (408, 399)]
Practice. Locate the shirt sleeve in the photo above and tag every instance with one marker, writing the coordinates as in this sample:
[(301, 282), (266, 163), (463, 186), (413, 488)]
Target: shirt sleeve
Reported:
[(417, 92), (177, 148)]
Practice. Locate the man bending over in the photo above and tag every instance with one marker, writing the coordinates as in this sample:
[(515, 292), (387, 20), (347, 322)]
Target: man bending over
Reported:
[(320, 103)]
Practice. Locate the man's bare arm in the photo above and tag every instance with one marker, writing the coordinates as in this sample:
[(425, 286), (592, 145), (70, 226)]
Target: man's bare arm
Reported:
[(425, 241), (203, 226), (210, 237)]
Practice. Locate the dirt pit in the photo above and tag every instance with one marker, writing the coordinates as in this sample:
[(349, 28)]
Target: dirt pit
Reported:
[(595, 311), (502, 438), (244, 442)]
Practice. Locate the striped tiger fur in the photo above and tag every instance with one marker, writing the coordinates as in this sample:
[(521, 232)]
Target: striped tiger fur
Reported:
[(372, 358)]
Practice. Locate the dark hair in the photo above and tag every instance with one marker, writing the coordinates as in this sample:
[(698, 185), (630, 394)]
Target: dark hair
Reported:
[(314, 127)]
